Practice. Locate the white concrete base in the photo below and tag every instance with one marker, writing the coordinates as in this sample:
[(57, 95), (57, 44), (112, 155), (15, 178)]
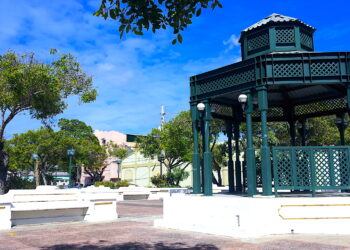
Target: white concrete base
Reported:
[(47, 205), (251, 217)]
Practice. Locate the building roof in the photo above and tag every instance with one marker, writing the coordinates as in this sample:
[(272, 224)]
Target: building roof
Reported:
[(275, 18)]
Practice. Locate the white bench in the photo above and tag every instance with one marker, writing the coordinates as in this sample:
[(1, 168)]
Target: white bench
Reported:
[(54, 205), (133, 193)]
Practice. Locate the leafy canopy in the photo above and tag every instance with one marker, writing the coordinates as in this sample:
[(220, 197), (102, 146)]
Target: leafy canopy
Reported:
[(40, 88), (139, 15)]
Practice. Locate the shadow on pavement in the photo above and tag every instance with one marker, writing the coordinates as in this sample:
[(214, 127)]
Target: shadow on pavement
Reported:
[(131, 246)]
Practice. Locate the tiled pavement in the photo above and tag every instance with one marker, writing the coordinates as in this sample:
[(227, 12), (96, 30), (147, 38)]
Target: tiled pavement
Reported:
[(134, 231)]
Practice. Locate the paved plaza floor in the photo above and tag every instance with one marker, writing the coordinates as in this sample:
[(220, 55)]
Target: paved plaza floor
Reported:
[(134, 230)]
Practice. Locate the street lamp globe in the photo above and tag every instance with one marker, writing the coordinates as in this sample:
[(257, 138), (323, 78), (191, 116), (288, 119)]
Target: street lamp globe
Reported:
[(118, 161), (35, 156), (242, 99), (70, 152), (201, 106)]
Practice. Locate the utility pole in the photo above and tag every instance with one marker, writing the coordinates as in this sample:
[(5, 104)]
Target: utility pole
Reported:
[(161, 157), (162, 116)]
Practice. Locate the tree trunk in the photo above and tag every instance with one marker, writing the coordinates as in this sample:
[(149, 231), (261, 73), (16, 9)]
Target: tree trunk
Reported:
[(3, 168), (219, 177), (36, 173), (43, 176)]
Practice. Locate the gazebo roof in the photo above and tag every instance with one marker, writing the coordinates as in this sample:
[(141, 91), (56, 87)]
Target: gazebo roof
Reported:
[(278, 54), (275, 18)]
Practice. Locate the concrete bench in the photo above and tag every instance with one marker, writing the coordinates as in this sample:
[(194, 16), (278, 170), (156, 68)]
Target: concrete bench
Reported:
[(20, 207), (133, 193)]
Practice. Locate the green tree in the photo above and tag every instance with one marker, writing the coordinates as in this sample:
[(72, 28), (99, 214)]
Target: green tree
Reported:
[(140, 15), (39, 88), (100, 157), (89, 153), (175, 139), (50, 147)]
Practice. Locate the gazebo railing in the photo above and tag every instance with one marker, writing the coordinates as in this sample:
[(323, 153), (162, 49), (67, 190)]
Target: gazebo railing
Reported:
[(311, 168)]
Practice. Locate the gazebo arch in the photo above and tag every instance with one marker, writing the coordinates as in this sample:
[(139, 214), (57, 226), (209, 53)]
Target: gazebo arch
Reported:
[(290, 82)]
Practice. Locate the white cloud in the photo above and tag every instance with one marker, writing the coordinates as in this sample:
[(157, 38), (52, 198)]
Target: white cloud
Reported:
[(231, 43), (134, 76)]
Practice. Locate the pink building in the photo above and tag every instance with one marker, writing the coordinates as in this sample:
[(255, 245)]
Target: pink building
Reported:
[(111, 172)]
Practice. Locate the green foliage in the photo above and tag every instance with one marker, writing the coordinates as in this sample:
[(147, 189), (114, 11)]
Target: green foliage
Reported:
[(16, 182), (39, 88), (139, 15), (122, 183), (159, 181), (112, 185), (109, 184)]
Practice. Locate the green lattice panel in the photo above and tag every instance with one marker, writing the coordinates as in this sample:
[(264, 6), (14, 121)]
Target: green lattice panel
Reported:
[(322, 167), (327, 105), (221, 110), (226, 80), (330, 68), (302, 168), (293, 69), (341, 167), (306, 40), (284, 168), (285, 35), (258, 41), (275, 112)]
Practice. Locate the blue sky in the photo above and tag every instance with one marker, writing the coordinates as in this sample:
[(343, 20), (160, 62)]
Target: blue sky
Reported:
[(136, 75)]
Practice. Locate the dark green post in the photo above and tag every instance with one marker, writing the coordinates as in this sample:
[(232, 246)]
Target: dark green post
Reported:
[(195, 158), (208, 171), (292, 132), (231, 183), (265, 150), (302, 132), (250, 152), (70, 153), (342, 125), (237, 162)]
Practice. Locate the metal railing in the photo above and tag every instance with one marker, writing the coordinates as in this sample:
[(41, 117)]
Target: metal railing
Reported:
[(311, 168)]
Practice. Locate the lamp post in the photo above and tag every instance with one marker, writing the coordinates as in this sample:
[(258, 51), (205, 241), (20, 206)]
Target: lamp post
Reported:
[(119, 162), (70, 153), (201, 108), (161, 159), (341, 124), (246, 101), (35, 157)]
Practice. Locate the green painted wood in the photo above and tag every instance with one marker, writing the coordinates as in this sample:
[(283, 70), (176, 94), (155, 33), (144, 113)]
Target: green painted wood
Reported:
[(250, 152), (313, 168), (196, 156), (265, 150), (208, 169), (231, 183)]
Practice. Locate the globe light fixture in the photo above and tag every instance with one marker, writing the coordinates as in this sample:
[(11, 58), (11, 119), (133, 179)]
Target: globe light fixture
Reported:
[(201, 106), (242, 99)]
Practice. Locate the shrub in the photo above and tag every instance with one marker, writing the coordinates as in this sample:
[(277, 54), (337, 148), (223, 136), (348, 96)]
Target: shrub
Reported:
[(159, 181), (121, 183), (16, 182), (109, 184)]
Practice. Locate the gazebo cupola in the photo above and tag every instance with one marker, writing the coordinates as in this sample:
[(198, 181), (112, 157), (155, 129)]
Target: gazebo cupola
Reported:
[(276, 33)]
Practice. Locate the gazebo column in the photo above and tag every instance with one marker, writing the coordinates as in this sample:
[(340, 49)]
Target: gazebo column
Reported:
[(208, 169), (237, 162), (265, 150), (290, 114), (342, 125), (231, 183), (196, 168), (250, 152), (302, 132)]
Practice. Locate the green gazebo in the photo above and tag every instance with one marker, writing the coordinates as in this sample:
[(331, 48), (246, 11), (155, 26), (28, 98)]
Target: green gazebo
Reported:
[(282, 79)]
